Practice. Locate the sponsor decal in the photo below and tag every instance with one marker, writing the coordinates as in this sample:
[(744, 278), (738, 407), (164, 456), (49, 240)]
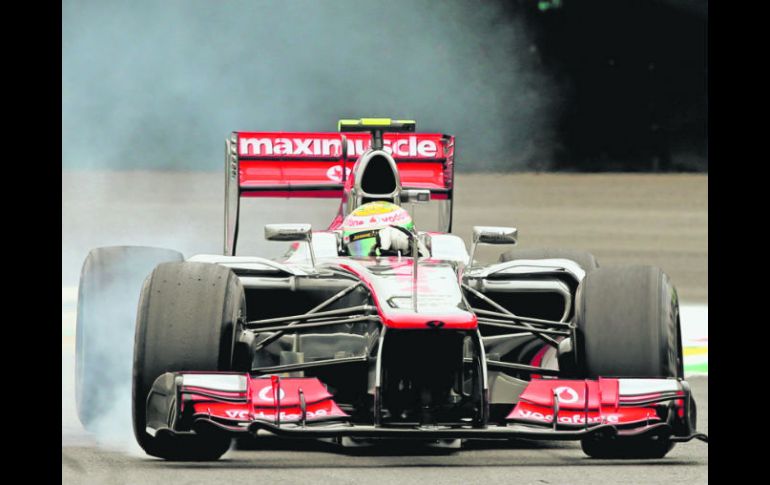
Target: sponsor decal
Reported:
[(266, 394), (566, 395), (360, 235), (292, 416), (576, 418), (335, 173), (364, 222), (410, 146), (243, 415), (237, 414)]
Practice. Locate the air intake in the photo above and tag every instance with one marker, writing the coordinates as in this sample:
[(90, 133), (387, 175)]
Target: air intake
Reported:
[(375, 178), (378, 178)]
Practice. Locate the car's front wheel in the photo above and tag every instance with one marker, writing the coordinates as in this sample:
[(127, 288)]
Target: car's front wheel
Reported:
[(188, 320), (628, 326)]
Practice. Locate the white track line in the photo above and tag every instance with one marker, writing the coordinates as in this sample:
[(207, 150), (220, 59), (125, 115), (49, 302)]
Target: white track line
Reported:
[(695, 333), (695, 324)]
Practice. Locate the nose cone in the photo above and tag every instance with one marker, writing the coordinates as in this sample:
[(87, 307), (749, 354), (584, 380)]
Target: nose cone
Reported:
[(440, 304)]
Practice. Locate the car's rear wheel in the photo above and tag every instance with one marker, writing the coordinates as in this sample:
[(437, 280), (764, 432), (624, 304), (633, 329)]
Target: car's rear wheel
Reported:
[(188, 320), (584, 259), (628, 326), (110, 282)]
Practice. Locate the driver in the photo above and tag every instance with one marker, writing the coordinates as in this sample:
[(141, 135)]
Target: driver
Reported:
[(379, 228)]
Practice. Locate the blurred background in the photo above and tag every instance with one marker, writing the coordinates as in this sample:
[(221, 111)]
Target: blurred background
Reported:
[(578, 85)]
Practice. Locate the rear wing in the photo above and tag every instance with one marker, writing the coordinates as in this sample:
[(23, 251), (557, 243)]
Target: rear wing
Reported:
[(273, 164), (317, 165)]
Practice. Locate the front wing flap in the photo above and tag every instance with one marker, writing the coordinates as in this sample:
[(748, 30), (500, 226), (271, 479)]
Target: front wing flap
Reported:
[(233, 401)]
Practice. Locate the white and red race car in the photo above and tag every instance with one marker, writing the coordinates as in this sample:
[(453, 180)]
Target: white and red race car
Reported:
[(542, 344)]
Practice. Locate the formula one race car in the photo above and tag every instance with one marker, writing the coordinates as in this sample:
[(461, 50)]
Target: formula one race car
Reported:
[(372, 330)]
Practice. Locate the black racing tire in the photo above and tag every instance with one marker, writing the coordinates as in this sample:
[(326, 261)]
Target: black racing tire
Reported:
[(586, 260), (627, 321), (188, 320), (628, 326), (110, 283)]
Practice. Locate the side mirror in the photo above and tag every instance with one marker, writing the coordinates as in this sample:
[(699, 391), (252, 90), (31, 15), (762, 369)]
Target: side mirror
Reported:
[(292, 232), (495, 235), (492, 235), (288, 232)]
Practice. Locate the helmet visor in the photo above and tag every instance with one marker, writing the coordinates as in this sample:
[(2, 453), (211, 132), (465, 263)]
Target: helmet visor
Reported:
[(362, 244)]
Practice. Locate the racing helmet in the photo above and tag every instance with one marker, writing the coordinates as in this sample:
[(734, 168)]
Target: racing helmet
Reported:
[(360, 229)]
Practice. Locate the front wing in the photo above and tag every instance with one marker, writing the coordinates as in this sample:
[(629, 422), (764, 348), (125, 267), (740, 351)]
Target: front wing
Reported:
[(183, 403)]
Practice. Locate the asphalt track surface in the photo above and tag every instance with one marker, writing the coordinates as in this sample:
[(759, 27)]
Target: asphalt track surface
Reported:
[(661, 220)]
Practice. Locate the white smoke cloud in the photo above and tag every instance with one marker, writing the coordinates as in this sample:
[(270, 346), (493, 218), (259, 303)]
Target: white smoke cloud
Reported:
[(160, 84)]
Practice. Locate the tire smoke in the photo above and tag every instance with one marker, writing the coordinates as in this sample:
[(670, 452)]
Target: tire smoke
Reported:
[(160, 84)]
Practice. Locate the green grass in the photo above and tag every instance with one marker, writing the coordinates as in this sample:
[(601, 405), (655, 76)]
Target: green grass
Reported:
[(702, 367)]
